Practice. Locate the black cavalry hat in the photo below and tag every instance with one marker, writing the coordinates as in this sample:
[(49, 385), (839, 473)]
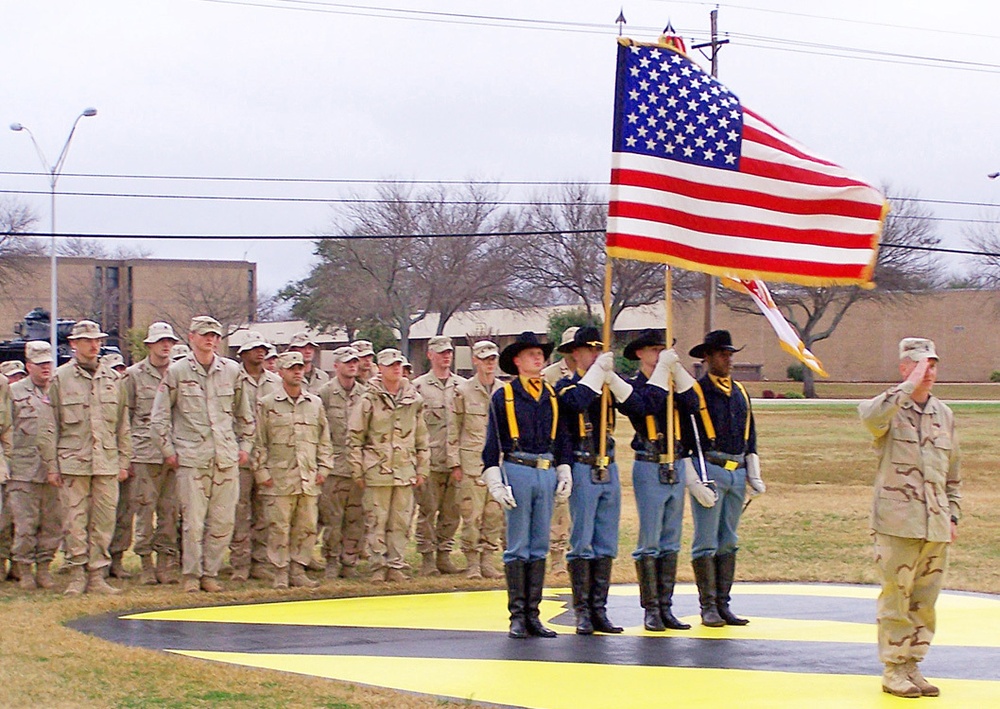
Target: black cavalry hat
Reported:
[(714, 341), (587, 336), (646, 338), (524, 341)]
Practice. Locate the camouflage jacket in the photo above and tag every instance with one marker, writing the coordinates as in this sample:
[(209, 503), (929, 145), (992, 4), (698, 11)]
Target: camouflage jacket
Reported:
[(89, 431), (142, 380), (470, 414), (387, 436), (338, 404), (200, 415), (437, 396), (917, 483), (316, 378), (5, 427), (30, 411), (292, 445), (256, 389)]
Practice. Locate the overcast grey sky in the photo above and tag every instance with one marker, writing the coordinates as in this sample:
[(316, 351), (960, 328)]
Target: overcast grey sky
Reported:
[(326, 90)]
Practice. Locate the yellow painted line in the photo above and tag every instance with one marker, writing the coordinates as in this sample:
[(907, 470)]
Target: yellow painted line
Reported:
[(962, 620), (545, 685)]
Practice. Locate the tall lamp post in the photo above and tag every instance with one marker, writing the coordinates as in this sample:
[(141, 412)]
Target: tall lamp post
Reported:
[(54, 171)]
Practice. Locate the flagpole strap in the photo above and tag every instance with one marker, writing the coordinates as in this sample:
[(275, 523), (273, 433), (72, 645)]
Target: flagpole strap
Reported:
[(602, 458), (668, 302)]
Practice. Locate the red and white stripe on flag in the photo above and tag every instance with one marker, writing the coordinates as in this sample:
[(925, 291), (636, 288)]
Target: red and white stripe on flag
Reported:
[(701, 182)]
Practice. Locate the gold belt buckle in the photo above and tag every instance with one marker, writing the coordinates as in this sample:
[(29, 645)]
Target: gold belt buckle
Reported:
[(664, 459), (731, 465), (543, 463), (602, 462)]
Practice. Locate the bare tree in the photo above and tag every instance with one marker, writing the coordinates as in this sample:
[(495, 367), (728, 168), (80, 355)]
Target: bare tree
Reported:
[(91, 248), (271, 307), (16, 219), (984, 236), (206, 297), (902, 268)]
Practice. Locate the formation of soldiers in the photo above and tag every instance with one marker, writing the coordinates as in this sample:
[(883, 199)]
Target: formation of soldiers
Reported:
[(187, 455)]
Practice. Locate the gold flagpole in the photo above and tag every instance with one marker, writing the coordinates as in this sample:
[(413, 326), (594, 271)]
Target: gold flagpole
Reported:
[(602, 456), (668, 302)]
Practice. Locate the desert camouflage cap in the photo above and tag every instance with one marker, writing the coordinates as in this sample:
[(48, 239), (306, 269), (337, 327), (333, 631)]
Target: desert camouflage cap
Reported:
[(254, 339), (205, 325), (345, 354), (13, 366), (301, 339), (112, 360), (567, 339), (390, 355), (406, 364), (364, 347), (440, 343), (38, 352), (272, 351), (179, 351), (484, 349), (287, 360), (86, 330), (917, 348), (160, 331)]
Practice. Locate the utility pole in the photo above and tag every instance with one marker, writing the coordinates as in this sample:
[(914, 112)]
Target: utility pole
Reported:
[(714, 44)]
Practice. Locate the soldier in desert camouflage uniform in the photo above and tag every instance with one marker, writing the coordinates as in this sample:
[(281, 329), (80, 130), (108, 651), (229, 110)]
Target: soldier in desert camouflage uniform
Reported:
[(121, 540), (155, 483), (34, 503), (204, 426), (389, 453), (6, 520), (482, 517), (366, 360), (307, 346), (13, 370), (292, 457), (271, 359), (248, 549), (340, 510), (915, 515), (87, 450)]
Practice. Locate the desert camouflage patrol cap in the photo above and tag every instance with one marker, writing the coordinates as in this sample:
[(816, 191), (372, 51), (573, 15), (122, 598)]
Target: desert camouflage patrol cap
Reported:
[(484, 349), (301, 339), (917, 348), (287, 360), (390, 355), (205, 325), (160, 331), (364, 347), (345, 354), (38, 352), (86, 330), (179, 351), (112, 360), (13, 366), (272, 351), (440, 343), (254, 339)]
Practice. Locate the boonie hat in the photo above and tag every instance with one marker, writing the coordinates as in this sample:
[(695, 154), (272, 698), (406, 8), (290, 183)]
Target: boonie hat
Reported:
[(179, 351), (345, 354), (205, 325), (484, 349), (160, 331), (301, 339), (254, 339), (287, 360), (38, 352), (86, 330), (567, 339), (440, 343), (13, 366), (112, 360), (390, 355), (917, 348), (272, 351)]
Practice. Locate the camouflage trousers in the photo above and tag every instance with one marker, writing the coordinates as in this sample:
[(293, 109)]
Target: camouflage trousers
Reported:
[(482, 517), (912, 573), (208, 508), (6, 524), (89, 503), (121, 540), (38, 521), (561, 523), (437, 515), (388, 512), (343, 519), (291, 528), (156, 509), (251, 524)]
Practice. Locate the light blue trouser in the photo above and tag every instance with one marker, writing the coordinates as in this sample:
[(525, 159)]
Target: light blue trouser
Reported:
[(715, 527), (595, 509), (528, 524), (661, 509)]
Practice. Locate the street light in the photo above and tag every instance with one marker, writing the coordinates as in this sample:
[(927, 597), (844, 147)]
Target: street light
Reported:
[(54, 172)]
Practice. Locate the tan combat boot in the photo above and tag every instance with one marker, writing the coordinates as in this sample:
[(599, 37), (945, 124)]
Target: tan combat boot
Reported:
[(97, 584), (27, 580), (332, 572), (394, 576), (210, 584), (348, 572), (298, 579), (240, 573), (488, 566), (316, 565), (77, 581), (280, 578), (171, 568), (262, 572), (148, 575), (557, 563), (428, 567), (926, 688), (445, 565), (896, 682), (43, 577), (117, 568), (192, 584), (473, 569)]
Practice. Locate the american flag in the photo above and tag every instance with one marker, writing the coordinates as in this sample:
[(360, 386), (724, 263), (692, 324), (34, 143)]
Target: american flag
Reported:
[(702, 182)]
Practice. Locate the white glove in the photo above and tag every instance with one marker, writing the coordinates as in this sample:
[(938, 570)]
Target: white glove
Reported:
[(594, 378), (661, 372), (606, 361), (498, 491), (564, 482), (754, 482), (682, 380), (618, 386), (706, 496)]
